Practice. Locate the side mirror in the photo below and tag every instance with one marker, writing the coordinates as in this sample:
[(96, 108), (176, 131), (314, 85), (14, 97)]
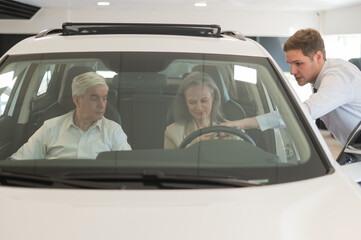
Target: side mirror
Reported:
[(350, 157)]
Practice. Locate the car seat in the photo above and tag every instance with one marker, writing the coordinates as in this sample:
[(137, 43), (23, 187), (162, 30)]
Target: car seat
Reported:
[(231, 109), (143, 107)]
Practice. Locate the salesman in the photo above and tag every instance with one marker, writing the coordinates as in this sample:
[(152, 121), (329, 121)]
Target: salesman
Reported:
[(337, 85)]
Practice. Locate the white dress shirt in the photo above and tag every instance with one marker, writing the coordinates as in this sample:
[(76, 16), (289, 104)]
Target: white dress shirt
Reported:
[(59, 138), (337, 101), (270, 120)]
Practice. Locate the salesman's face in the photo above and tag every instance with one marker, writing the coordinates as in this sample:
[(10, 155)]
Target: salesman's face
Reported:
[(91, 107), (305, 69)]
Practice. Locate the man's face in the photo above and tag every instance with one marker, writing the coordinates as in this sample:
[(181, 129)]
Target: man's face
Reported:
[(304, 68), (91, 107)]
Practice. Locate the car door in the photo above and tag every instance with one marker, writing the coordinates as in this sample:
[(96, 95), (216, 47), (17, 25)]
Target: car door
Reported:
[(15, 79), (8, 97), (350, 157)]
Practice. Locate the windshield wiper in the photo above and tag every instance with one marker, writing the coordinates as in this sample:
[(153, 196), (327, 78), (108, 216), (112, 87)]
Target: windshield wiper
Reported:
[(32, 180), (123, 181), (161, 180), (165, 180)]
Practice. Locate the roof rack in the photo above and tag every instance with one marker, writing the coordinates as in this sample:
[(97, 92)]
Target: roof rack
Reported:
[(48, 31), (235, 34), (141, 28)]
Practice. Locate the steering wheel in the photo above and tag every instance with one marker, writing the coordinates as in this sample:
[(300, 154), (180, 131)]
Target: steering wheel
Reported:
[(200, 132)]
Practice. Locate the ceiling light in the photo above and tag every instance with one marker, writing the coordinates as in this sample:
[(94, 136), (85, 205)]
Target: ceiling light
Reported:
[(103, 3), (200, 4)]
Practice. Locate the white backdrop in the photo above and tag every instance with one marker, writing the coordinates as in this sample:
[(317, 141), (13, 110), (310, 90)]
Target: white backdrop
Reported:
[(251, 23)]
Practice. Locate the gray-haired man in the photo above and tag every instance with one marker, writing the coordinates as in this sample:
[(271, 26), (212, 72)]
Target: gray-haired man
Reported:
[(81, 133)]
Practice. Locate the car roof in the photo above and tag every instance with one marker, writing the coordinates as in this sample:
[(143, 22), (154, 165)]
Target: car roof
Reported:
[(166, 40)]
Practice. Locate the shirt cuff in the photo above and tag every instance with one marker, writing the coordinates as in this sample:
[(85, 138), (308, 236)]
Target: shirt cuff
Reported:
[(270, 120)]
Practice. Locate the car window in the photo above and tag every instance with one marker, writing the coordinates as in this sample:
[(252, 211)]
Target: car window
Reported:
[(46, 79), (142, 89), (11, 79), (7, 82)]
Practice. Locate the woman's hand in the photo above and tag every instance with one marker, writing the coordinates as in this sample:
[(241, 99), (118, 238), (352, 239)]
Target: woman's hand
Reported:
[(208, 136), (242, 124), (212, 136)]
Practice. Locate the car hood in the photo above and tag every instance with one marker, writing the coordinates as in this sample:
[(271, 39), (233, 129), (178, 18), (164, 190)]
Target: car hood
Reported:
[(321, 208)]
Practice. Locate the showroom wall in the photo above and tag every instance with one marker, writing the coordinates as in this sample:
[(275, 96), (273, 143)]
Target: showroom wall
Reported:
[(265, 23), (252, 23), (342, 21), (270, 28)]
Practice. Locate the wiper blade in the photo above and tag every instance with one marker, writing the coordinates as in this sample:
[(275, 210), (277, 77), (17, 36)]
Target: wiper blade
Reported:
[(202, 180), (32, 180), (121, 181), (161, 180)]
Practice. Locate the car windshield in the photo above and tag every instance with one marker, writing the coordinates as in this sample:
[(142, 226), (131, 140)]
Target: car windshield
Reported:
[(141, 98)]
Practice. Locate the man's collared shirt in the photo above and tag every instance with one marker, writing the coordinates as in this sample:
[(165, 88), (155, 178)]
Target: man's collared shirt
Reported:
[(59, 138), (338, 100)]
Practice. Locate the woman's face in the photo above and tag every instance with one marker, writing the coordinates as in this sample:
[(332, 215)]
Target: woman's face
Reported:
[(199, 101)]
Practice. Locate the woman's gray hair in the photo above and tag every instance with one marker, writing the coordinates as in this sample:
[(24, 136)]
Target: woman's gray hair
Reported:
[(86, 80), (180, 109)]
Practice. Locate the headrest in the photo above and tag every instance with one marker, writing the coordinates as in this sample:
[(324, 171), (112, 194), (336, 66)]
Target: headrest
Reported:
[(65, 95), (217, 78), (142, 79)]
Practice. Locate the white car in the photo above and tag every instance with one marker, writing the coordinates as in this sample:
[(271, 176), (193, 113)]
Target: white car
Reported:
[(280, 183)]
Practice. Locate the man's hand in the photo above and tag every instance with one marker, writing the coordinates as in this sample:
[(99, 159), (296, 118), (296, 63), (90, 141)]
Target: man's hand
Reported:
[(245, 123), (242, 124)]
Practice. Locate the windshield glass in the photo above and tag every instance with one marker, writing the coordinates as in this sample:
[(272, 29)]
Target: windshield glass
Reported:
[(158, 104)]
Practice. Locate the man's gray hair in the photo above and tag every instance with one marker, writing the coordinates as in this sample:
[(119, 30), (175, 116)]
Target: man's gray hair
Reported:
[(86, 80)]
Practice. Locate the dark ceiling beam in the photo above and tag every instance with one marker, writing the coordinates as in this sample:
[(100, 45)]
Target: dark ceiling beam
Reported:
[(15, 10)]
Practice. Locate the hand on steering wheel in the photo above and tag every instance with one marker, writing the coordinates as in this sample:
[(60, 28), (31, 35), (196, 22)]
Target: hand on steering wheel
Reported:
[(199, 132)]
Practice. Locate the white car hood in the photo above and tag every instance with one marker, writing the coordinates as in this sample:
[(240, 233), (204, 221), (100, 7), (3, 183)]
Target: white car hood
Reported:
[(322, 208)]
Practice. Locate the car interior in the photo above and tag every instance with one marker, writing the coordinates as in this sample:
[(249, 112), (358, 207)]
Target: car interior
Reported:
[(140, 97)]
